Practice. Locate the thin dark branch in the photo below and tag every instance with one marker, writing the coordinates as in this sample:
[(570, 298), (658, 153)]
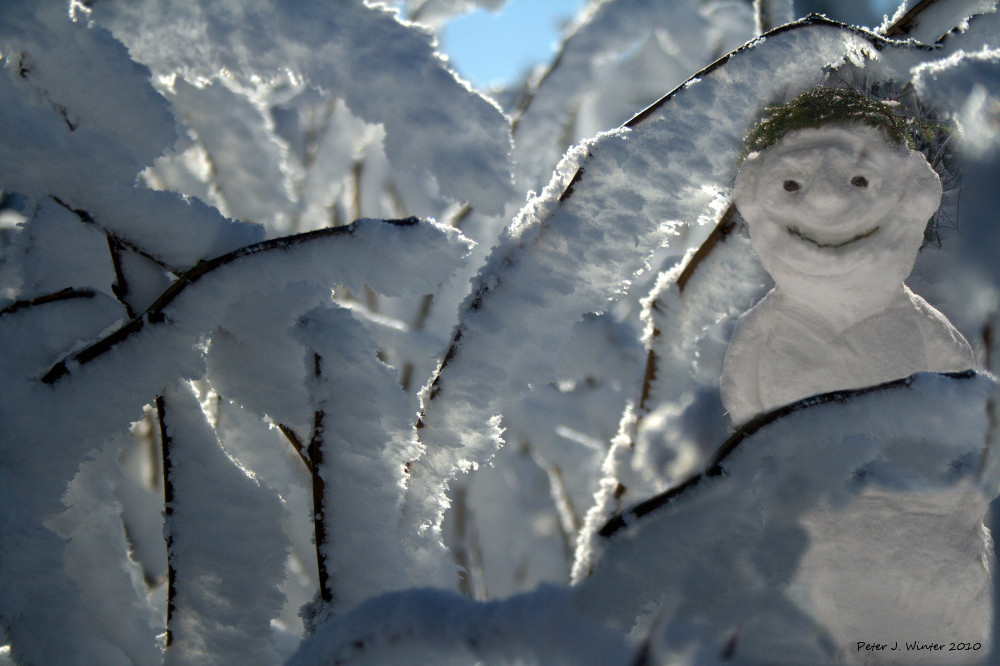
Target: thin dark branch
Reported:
[(722, 230), (569, 519), (714, 467), (459, 548), (726, 225), (420, 321), (319, 492), (427, 302), (460, 216), (416, 10), (406, 376), (168, 511), (649, 375), (907, 22), (876, 40), (64, 114), (87, 218), (813, 19), (465, 547), (643, 655), (297, 444), (66, 294), (357, 171), (764, 16), (155, 314), (993, 431), (525, 102), (120, 286)]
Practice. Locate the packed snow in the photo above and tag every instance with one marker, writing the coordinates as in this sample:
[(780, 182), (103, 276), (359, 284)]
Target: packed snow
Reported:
[(839, 523)]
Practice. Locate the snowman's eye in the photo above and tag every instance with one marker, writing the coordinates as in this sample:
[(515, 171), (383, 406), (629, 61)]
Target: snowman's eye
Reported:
[(859, 181), (791, 186)]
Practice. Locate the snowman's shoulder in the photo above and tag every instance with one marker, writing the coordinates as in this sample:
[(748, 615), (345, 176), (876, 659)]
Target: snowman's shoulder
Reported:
[(739, 384), (942, 340), (930, 318), (773, 318), (761, 320)]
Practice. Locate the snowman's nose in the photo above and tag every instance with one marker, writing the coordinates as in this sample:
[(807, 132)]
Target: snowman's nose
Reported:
[(829, 194)]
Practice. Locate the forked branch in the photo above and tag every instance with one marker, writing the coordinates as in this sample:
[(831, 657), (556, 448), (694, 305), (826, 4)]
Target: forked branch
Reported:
[(156, 313), (118, 240)]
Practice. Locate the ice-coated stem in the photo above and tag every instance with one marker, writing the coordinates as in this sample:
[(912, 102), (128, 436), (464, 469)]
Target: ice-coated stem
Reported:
[(722, 230), (714, 466)]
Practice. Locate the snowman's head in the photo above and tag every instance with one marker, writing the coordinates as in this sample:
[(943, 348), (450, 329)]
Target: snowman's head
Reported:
[(842, 204)]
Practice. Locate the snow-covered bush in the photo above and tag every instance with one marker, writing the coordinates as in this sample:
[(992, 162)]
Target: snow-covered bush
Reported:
[(309, 349)]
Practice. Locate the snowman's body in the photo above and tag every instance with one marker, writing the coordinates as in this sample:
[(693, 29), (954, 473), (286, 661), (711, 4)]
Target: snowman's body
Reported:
[(787, 351), (837, 215)]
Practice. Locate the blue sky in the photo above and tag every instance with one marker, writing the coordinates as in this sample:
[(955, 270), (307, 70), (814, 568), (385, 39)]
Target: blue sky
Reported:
[(486, 48)]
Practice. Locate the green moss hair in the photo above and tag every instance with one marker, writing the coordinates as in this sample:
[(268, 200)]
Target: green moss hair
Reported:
[(827, 106)]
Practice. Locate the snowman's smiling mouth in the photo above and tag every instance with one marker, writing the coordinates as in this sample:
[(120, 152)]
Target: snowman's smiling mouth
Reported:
[(798, 233)]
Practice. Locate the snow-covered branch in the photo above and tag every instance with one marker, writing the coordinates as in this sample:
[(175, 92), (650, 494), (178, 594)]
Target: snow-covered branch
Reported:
[(157, 312)]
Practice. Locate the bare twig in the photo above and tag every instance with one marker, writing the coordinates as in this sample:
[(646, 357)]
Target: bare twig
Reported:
[(992, 443), (427, 302), (726, 225), (66, 294), (88, 219), (168, 511), (120, 286), (319, 492), (907, 22), (297, 444), (465, 547), (722, 230), (357, 171), (459, 550), (569, 519), (460, 216)]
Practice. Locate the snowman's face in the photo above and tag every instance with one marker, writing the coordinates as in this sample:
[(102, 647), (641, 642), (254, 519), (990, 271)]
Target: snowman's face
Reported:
[(837, 202)]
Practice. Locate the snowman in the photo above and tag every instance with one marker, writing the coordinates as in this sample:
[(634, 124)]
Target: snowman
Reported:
[(836, 203)]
